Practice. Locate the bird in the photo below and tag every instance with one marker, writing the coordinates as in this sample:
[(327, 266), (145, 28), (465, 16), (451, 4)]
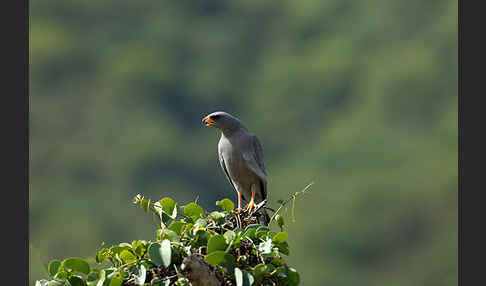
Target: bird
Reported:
[(240, 156)]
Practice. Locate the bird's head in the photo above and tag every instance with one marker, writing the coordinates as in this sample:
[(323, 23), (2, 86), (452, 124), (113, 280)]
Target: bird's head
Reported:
[(223, 121)]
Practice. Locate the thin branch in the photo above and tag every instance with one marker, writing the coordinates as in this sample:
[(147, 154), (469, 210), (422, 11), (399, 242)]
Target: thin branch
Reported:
[(292, 198)]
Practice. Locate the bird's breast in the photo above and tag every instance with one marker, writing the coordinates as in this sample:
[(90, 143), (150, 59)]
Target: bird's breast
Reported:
[(233, 158)]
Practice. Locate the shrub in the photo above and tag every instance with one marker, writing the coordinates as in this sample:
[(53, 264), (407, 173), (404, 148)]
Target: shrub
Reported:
[(191, 247)]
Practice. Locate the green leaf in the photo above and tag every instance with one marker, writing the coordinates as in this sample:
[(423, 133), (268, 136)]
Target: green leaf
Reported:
[(250, 230), (155, 253), (216, 257), (157, 209), (277, 261), (76, 281), (226, 205), (165, 218), (76, 264), (281, 272), (93, 278), (165, 282), (216, 242), (140, 274), (217, 216), (201, 222), (176, 226), (283, 247), (229, 263), (294, 278), (229, 236), (61, 275), (144, 204), (125, 244), (193, 211), (171, 235), (280, 237), (200, 236), (116, 281), (117, 249), (166, 209), (167, 234), (166, 252), (139, 247), (124, 273), (102, 255), (238, 277), (135, 243), (259, 271), (160, 253), (53, 267), (248, 277), (169, 206), (182, 281), (127, 256), (261, 232), (243, 278), (271, 234), (110, 274)]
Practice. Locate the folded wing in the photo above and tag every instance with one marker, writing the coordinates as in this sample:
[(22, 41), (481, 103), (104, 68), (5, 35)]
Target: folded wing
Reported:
[(254, 160)]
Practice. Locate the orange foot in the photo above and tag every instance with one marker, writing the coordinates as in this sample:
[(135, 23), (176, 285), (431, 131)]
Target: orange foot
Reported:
[(251, 206)]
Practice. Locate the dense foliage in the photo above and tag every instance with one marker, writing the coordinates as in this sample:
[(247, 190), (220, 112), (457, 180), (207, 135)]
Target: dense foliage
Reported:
[(240, 251), (358, 96)]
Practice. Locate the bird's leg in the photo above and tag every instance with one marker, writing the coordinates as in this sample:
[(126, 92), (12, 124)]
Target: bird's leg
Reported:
[(252, 204), (238, 210)]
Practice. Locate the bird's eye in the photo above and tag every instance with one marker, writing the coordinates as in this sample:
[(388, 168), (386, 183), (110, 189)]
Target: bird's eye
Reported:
[(215, 117)]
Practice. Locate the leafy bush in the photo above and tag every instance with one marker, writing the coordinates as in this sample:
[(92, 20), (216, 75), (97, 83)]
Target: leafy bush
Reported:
[(227, 247)]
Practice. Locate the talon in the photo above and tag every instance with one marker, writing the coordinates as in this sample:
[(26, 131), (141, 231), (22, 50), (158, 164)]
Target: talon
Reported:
[(251, 205)]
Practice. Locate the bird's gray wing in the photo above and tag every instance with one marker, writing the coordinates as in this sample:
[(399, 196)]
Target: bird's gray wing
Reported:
[(254, 160), (257, 147), (223, 166)]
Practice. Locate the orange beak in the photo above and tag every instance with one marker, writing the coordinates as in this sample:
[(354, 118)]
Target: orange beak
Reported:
[(209, 121)]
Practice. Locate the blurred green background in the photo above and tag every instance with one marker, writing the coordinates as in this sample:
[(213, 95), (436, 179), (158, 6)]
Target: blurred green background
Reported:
[(358, 96)]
